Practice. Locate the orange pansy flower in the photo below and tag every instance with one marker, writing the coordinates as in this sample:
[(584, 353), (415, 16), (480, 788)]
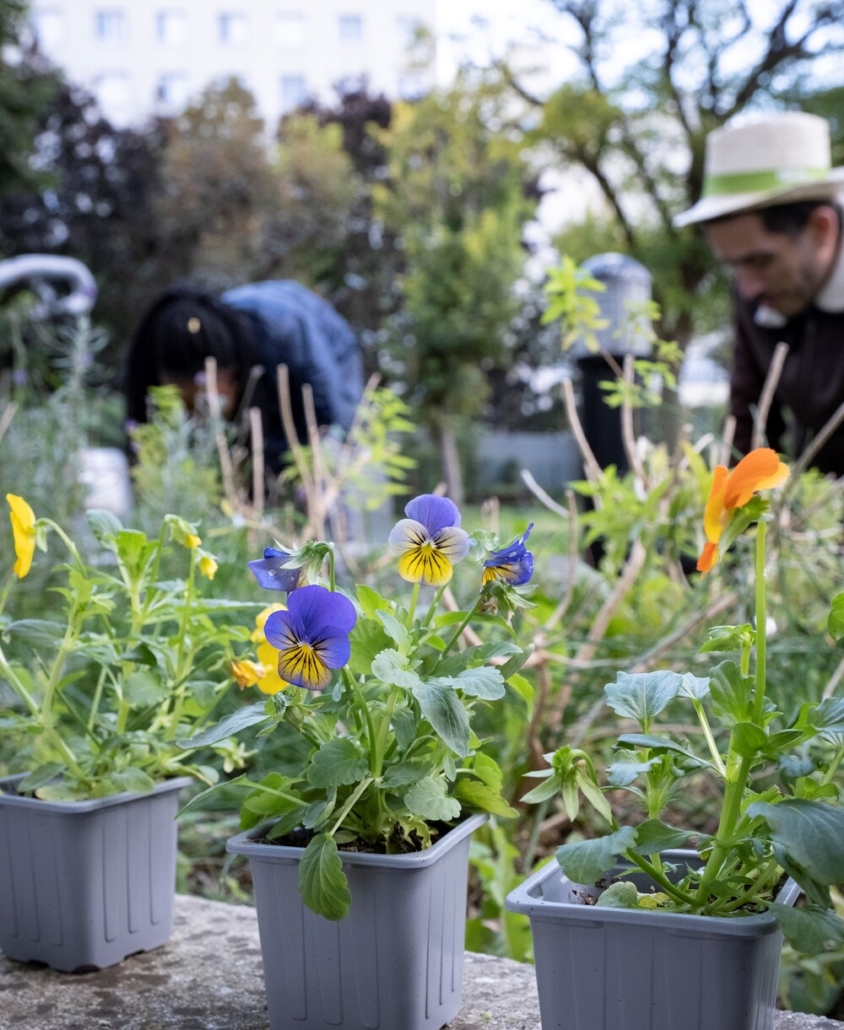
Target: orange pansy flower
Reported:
[(731, 490)]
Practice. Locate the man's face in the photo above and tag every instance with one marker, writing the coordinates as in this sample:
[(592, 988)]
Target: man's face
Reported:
[(783, 272)]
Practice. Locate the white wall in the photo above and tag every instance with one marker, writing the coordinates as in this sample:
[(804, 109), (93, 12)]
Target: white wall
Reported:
[(127, 72)]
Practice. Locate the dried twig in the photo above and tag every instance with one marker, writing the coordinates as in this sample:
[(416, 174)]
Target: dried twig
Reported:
[(256, 431), (541, 495), (317, 515), (815, 446), (628, 433), (565, 601), (6, 417), (766, 398), (215, 408), (727, 441), (590, 464)]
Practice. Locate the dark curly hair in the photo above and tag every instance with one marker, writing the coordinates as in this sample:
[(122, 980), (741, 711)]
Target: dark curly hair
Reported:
[(181, 329)]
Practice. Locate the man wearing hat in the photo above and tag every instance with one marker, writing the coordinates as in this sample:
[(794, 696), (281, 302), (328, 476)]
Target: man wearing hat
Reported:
[(771, 211)]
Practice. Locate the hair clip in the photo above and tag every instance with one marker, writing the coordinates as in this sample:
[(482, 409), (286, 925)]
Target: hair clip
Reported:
[(194, 325)]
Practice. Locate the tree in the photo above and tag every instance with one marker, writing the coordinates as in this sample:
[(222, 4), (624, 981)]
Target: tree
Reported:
[(456, 193), (638, 126), (25, 91)]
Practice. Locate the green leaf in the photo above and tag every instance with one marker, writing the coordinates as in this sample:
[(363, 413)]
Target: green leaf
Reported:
[(488, 771), (828, 718), (338, 763), (428, 798), (748, 740), (512, 665), (368, 639), (481, 682), (37, 632), (391, 668), (444, 711), (318, 812), (594, 795), (728, 638), (622, 894), (228, 727), (587, 861), (371, 601), (524, 688), (653, 836), (405, 724), (836, 617), (104, 525), (741, 519), (696, 687), (478, 795), (811, 929), (625, 772), (731, 692), (549, 787), (405, 773), (322, 882), (655, 743), (395, 630), (134, 780), (40, 777), (643, 695), (811, 833), (143, 688)]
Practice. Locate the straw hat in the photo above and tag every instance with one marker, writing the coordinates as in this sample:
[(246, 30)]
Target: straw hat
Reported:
[(781, 159)]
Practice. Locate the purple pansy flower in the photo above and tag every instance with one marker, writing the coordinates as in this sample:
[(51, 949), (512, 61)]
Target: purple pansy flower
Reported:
[(272, 572), (312, 636), (429, 540), (513, 564)]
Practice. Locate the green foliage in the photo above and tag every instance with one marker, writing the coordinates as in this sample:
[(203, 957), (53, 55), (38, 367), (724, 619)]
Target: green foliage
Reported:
[(101, 698), (389, 757)]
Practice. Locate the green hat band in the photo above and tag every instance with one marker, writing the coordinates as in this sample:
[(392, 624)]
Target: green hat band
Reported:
[(756, 182)]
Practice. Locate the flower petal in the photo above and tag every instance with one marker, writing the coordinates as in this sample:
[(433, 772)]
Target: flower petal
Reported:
[(271, 573), (715, 511), (281, 630), (708, 558), (407, 534), (514, 564), (316, 608), (435, 513), (427, 565), (334, 648), (270, 682), (760, 466), (23, 532), (453, 543), (302, 666)]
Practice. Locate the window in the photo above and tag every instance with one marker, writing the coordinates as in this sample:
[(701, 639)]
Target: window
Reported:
[(172, 92), (171, 27), (231, 28), (48, 25), (294, 92), (291, 28), (406, 26), (109, 26), (350, 28), (114, 94)]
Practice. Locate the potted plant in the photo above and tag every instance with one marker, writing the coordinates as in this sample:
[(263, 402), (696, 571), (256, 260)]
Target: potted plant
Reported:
[(87, 832), (628, 930), (359, 846)]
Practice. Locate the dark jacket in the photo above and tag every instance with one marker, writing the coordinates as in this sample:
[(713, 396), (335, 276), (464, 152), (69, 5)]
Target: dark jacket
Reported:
[(295, 327), (811, 386)]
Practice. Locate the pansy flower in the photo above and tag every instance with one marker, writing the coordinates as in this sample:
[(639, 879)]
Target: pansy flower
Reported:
[(731, 490), (23, 532), (429, 540), (312, 636), (513, 564), (272, 571)]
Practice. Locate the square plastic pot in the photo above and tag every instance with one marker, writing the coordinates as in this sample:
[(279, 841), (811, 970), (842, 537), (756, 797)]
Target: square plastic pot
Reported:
[(627, 969), (394, 963), (83, 884)]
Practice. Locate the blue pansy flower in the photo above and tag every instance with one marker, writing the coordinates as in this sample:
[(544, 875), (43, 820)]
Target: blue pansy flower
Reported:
[(429, 540), (312, 636), (272, 572), (513, 564)]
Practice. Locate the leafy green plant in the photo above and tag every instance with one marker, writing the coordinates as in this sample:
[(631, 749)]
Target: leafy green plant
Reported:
[(779, 809), (103, 694), (378, 699)]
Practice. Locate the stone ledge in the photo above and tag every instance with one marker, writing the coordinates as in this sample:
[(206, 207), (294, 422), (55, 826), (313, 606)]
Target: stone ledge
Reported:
[(209, 977)]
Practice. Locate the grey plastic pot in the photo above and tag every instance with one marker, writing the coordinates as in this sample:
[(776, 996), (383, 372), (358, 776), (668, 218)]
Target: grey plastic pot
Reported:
[(83, 884), (626, 969), (394, 963)]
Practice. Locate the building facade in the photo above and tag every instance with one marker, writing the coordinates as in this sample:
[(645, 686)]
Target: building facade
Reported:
[(144, 57)]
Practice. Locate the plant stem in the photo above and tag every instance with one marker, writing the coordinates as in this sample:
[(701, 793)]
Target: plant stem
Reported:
[(332, 581), (414, 599), (710, 740), (350, 804), (460, 629), (659, 877), (352, 684), (761, 623), (433, 606)]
